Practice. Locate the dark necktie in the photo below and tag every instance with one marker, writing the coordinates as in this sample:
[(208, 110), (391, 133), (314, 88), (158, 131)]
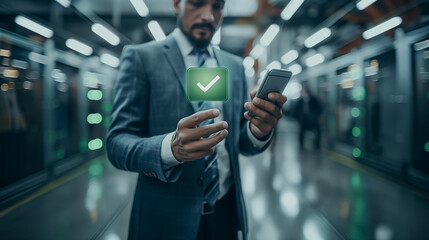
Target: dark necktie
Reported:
[(201, 56), (211, 172)]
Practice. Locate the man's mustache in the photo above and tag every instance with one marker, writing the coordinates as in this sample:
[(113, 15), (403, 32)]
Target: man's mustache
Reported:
[(203, 25)]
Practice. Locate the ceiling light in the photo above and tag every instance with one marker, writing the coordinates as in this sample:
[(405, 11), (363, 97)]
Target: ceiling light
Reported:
[(362, 4), (156, 30), (290, 9), (105, 34), (274, 65), (79, 46), (382, 27), (36, 57), (289, 57), (248, 62), (315, 60), (295, 69), (257, 51), (64, 3), (270, 34), (34, 26), (140, 7), (317, 37), (421, 45), (109, 59)]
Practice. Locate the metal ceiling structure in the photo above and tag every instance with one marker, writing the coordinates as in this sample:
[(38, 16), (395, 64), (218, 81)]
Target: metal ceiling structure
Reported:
[(245, 21)]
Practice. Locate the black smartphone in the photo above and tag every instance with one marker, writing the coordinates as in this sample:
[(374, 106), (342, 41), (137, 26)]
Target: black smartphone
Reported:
[(275, 81)]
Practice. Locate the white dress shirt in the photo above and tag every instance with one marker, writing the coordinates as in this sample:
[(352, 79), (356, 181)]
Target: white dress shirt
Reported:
[(168, 160)]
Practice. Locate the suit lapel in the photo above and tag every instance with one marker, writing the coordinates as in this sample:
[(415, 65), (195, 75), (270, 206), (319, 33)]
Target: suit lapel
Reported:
[(175, 59)]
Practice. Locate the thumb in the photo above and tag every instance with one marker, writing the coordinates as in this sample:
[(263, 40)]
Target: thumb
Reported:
[(253, 94)]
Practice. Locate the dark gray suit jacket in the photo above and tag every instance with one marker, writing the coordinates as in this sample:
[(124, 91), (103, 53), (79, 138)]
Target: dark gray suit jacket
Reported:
[(150, 100)]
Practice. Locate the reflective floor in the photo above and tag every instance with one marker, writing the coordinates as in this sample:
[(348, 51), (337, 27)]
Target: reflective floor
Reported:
[(293, 194), (290, 194)]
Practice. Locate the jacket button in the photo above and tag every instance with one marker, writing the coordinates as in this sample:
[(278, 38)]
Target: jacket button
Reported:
[(200, 181)]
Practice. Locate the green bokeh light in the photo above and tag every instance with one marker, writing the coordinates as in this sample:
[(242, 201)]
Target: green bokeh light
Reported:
[(358, 93), (356, 131), (107, 108), (355, 112), (107, 121), (94, 118), (95, 95), (59, 154), (95, 144), (96, 168), (357, 152), (427, 147), (356, 181)]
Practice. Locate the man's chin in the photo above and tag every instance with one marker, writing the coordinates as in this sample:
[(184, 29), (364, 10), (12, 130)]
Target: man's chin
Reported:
[(200, 42)]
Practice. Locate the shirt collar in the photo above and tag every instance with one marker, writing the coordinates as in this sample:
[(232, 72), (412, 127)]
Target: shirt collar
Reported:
[(185, 45)]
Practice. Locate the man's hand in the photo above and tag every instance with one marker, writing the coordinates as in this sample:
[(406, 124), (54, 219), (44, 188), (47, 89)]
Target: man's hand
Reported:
[(188, 143), (267, 114)]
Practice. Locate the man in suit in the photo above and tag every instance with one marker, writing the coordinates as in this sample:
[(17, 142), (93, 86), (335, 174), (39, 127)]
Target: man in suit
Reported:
[(189, 184)]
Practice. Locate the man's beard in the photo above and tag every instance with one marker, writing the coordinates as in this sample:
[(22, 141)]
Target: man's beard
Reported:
[(202, 42)]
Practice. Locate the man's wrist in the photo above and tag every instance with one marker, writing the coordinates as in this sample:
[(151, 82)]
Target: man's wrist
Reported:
[(167, 156), (260, 138), (258, 143)]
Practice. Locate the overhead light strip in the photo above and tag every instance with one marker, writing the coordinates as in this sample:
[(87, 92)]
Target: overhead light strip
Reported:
[(274, 65), (106, 34), (79, 46), (140, 7), (270, 34), (290, 9), (248, 62), (317, 37), (315, 60), (34, 26), (110, 60), (257, 51), (37, 57), (156, 30), (382, 27), (295, 69), (361, 5), (289, 57), (64, 3)]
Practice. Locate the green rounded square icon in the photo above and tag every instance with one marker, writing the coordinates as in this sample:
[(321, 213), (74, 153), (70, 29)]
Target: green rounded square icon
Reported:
[(207, 84)]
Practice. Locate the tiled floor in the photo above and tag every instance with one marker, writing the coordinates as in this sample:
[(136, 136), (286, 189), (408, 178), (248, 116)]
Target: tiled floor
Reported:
[(289, 194)]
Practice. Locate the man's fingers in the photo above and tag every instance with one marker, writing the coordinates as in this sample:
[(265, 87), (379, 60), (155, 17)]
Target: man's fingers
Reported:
[(205, 131), (262, 125), (197, 118), (267, 106), (279, 98), (253, 94), (201, 154), (258, 112), (205, 143)]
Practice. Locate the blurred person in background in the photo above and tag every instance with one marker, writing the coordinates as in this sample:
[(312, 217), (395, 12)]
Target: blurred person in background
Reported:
[(307, 112), (189, 186)]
